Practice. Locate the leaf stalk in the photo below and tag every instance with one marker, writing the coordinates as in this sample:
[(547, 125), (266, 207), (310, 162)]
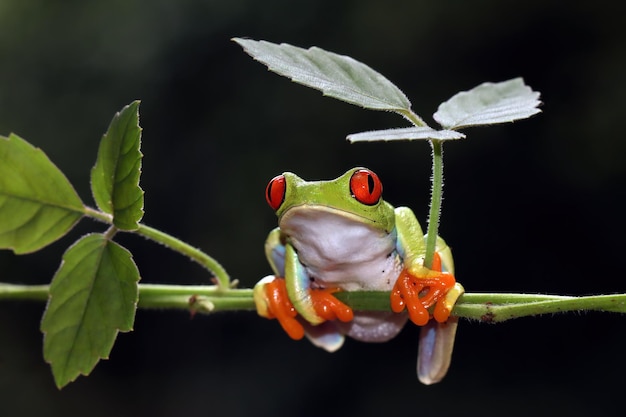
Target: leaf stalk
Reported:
[(208, 262), (436, 196)]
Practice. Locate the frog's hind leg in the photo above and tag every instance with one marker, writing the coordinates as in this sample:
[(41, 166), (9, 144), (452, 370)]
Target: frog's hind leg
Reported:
[(326, 335), (436, 342)]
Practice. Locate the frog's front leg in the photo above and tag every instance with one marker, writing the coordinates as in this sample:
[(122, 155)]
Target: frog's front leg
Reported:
[(315, 305), (289, 292), (272, 302), (418, 288)]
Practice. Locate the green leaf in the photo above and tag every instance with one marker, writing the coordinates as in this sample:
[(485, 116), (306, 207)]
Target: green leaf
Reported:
[(408, 133), (489, 103), (93, 296), (115, 177), (38, 205), (334, 75)]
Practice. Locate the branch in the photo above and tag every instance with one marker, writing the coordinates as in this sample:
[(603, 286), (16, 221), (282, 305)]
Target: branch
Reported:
[(486, 307)]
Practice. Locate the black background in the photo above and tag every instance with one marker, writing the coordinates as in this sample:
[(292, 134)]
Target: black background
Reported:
[(534, 206)]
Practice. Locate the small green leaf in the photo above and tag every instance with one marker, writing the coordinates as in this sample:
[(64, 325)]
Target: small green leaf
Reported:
[(489, 103), (38, 205), (93, 296), (334, 75), (115, 177), (408, 133)]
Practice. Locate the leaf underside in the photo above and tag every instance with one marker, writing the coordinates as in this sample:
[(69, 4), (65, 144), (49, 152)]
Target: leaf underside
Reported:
[(489, 103), (115, 176), (38, 205), (93, 296), (335, 75), (409, 133)]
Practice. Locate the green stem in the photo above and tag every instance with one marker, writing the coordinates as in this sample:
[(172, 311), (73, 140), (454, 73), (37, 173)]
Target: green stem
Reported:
[(98, 215), (485, 307), (435, 201), (413, 118), (494, 307), (202, 298), (223, 280), (199, 298), (436, 190), (473, 306), (24, 292)]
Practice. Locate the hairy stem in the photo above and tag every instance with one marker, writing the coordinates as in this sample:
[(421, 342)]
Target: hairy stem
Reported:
[(412, 117), (195, 254), (198, 298), (435, 201), (223, 280), (436, 190), (486, 307)]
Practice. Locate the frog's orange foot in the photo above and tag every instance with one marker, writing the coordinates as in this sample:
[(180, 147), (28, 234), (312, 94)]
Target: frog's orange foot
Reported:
[(274, 303), (432, 287), (328, 307)]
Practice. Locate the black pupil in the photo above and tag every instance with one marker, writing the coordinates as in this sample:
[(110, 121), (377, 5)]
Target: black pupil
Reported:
[(269, 191), (370, 183)]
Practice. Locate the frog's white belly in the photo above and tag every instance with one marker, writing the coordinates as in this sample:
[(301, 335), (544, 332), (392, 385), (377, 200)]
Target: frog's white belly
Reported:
[(339, 251)]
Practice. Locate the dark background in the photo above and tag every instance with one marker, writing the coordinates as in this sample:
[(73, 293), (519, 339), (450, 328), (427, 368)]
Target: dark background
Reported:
[(531, 207)]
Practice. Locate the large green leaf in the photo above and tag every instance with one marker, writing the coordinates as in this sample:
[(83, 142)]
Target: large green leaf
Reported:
[(489, 103), (115, 177), (93, 296), (38, 205), (405, 133), (334, 75)]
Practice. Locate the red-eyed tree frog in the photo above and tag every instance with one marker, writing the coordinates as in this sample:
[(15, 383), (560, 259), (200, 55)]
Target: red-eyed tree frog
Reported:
[(340, 235)]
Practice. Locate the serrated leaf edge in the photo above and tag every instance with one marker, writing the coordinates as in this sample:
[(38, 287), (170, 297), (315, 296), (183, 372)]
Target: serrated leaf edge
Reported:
[(247, 46)]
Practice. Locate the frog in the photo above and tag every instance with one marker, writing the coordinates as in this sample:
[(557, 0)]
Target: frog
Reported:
[(341, 235)]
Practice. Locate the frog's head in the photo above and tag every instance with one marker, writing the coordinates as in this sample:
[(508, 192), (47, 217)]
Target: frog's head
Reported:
[(357, 194)]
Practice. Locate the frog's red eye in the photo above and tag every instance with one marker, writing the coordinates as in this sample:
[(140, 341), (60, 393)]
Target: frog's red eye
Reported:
[(275, 191), (366, 187)]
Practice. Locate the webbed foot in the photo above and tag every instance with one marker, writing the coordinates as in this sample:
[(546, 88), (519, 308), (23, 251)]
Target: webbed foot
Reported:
[(420, 290), (272, 302), (328, 307)]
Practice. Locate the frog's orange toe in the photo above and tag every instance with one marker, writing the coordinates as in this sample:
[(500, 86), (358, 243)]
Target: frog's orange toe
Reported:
[(408, 288), (405, 294), (328, 307), (279, 307), (442, 311)]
